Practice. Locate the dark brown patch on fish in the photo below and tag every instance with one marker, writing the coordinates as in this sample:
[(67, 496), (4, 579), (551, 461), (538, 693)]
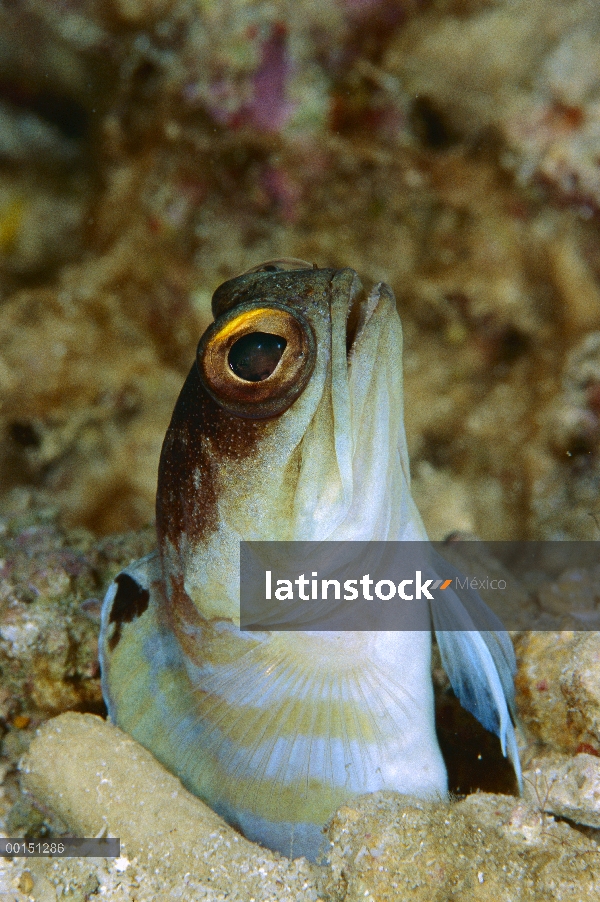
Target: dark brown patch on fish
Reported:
[(129, 603), (201, 435)]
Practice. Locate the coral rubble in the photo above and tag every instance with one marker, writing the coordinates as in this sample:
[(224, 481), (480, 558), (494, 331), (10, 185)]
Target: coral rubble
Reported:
[(383, 846)]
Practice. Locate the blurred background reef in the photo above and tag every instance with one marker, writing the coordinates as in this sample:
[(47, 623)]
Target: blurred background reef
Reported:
[(150, 149)]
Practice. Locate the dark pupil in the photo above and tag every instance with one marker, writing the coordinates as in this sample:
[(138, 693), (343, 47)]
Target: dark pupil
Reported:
[(255, 356)]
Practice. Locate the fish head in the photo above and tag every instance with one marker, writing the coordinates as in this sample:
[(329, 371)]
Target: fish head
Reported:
[(289, 428)]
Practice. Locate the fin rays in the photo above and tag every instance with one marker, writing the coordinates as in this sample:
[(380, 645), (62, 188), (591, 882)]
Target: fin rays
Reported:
[(269, 720)]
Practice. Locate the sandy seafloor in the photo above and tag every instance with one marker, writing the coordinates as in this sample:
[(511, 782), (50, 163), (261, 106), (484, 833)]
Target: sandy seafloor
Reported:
[(150, 149)]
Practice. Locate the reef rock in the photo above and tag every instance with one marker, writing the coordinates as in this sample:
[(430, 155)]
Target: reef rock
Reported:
[(384, 846), (487, 847), (567, 787), (558, 690)]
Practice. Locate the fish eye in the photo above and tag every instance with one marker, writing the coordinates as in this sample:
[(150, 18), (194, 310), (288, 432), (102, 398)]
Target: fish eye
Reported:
[(255, 356), (255, 360)]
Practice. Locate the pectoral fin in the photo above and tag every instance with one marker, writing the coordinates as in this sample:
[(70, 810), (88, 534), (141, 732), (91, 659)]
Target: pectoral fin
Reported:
[(478, 657)]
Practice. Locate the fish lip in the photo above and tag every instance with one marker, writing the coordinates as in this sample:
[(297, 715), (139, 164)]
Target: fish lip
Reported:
[(361, 307)]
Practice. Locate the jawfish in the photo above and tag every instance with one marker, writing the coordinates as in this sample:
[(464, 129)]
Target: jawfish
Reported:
[(288, 427)]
